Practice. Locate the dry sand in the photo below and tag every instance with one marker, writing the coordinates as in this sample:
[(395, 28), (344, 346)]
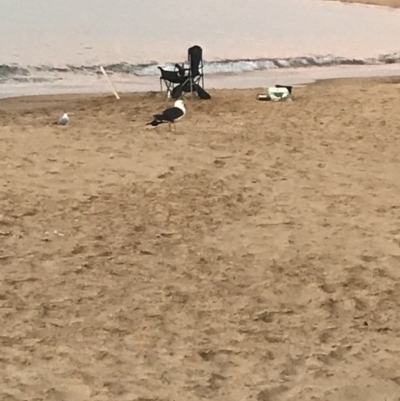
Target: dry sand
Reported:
[(252, 255)]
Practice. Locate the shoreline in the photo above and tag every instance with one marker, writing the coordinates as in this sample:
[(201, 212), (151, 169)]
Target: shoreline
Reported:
[(244, 80), (380, 3)]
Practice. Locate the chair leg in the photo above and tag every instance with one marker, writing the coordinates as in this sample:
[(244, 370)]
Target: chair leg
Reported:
[(168, 86), (191, 87), (193, 82), (168, 90)]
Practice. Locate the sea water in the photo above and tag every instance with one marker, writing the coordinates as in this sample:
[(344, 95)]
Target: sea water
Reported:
[(61, 43)]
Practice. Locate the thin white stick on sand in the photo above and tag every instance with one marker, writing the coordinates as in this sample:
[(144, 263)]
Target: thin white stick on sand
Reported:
[(108, 79)]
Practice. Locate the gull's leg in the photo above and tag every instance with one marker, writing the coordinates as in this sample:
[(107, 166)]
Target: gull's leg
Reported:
[(169, 126)]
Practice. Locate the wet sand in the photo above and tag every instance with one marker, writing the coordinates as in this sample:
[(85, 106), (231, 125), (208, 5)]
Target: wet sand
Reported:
[(249, 80), (387, 3), (252, 255)]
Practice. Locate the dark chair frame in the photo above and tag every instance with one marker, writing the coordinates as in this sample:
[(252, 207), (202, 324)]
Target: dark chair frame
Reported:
[(192, 74), (170, 79)]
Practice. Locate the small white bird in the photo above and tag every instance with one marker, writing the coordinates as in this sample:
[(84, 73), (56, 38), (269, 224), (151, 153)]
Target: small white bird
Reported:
[(64, 120), (170, 115)]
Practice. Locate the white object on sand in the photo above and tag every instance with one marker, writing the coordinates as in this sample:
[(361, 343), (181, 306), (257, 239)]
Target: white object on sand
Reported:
[(279, 94), (64, 120), (108, 79)]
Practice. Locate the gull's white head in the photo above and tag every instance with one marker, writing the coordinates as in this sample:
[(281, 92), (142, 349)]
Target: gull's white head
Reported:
[(65, 115), (180, 104)]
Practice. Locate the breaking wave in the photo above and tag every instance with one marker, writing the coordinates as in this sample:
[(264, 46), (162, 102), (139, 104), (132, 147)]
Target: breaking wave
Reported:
[(17, 73)]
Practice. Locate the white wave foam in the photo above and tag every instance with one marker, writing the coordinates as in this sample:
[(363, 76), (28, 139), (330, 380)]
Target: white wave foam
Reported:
[(16, 73), (240, 66)]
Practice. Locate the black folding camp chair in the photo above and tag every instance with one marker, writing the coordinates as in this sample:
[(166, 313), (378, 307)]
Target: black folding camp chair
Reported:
[(194, 74), (171, 79), (188, 78)]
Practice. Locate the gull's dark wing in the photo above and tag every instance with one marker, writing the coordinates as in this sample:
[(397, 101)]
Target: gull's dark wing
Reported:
[(170, 115)]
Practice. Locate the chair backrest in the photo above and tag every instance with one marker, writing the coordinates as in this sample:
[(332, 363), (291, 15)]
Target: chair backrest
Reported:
[(195, 56)]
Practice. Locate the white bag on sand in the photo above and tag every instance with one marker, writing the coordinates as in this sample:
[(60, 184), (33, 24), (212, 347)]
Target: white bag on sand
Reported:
[(278, 94)]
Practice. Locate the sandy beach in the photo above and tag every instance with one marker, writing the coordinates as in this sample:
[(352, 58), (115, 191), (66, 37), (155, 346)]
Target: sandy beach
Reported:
[(252, 255)]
